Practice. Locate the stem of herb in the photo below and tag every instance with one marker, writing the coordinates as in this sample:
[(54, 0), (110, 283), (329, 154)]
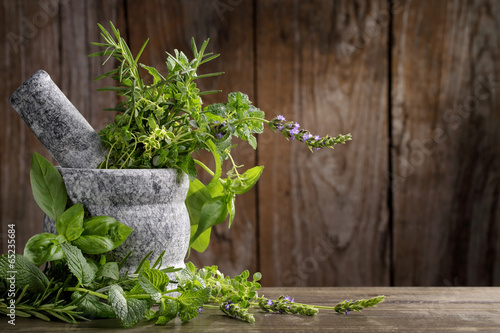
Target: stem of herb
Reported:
[(204, 167), (86, 291)]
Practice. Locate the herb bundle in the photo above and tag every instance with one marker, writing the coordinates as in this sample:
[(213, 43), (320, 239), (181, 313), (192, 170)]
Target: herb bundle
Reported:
[(162, 123), (78, 283)]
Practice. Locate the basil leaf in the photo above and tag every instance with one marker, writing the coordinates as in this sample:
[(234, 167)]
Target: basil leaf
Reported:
[(246, 181), (42, 248), (231, 209), (213, 212), (48, 187), (201, 243), (70, 222), (26, 273), (102, 234), (218, 163), (197, 195), (77, 264)]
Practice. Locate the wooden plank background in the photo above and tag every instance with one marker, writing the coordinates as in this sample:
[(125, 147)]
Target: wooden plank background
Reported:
[(414, 199)]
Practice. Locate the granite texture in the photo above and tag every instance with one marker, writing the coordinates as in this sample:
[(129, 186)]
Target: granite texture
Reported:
[(151, 201), (57, 123)]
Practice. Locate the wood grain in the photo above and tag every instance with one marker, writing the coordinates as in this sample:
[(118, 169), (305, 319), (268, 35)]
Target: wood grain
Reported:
[(446, 158), (230, 33), (323, 217), (317, 219), (405, 309), (30, 35)]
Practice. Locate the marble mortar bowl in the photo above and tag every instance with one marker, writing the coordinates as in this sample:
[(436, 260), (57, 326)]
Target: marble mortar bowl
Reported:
[(151, 201)]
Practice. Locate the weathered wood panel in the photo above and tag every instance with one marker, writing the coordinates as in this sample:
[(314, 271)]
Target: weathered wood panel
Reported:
[(323, 217), (30, 39), (446, 116), (230, 29)]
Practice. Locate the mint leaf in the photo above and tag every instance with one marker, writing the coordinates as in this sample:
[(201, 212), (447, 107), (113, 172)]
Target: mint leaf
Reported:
[(102, 234), (77, 264), (190, 301), (26, 273), (70, 222), (187, 165), (168, 311), (153, 282), (92, 308), (131, 310), (48, 187), (42, 248)]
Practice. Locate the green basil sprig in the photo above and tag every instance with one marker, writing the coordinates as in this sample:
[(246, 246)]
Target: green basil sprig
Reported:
[(93, 235)]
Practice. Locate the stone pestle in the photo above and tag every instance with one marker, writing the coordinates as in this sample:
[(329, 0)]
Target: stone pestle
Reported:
[(58, 125)]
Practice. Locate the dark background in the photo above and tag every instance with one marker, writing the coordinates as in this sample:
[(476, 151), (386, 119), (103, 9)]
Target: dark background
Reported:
[(414, 199)]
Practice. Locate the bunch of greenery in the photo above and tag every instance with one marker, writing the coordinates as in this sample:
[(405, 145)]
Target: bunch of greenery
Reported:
[(162, 123), (78, 285)]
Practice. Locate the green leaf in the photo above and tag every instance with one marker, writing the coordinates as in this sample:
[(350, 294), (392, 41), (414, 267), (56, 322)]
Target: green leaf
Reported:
[(201, 243), (190, 301), (231, 209), (188, 166), (197, 195), (77, 264), (25, 273), (48, 187), (102, 234), (218, 163), (91, 307), (157, 77), (247, 180), (70, 222), (131, 310), (213, 212), (168, 311), (154, 282), (108, 270), (42, 248)]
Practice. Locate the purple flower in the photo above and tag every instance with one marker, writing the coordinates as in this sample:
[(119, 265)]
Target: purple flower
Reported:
[(306, 136), (316, 137), (219, 135), (269, 302), (346, 311), (200, 310), (294, 131), (228, 306), (287, 298), (296, 125), (280, 118), (280, 128)]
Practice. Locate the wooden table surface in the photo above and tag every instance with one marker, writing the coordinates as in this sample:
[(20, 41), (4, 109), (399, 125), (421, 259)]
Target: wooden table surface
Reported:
[(406, 309)]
